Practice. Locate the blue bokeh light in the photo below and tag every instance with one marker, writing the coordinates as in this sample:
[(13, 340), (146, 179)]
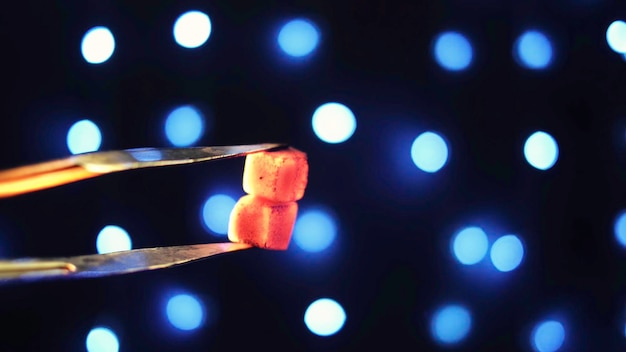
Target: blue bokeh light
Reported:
[(185, 312), (102, 339), (192, 29), (84, 136), (453, 51), (97, 45), (184, 126), (541, 150), (533, 50), (470, 245), (314, 231), (619, 229), (113, 239), (429, 152), (324, 317), (451, 324), (298, 37), (548, 336), (507, 253), (333, 123), (216, 213), (616, 36)]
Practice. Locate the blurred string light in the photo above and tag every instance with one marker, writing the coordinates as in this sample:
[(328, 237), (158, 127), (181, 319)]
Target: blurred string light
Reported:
[(429, 152), (84, 136), (97, 45), (184, 126), (324, 317), (616, 36), (507, 253), (470, 245), (541, 150), (102, 339), (216, 213), (314, 231), (298, 37), (548, 336), (333, 123), (452, 51), (113, 239), (533, 50), (620, 228), (185, 312), (192, 29), (450, 324)]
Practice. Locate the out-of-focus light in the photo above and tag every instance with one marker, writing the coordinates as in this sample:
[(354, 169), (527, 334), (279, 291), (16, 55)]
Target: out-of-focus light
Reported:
[(192, 29), (184, 126), (333, 123), (216, 213), (548, 336), (450, 324), (97, 45), (84, 136), (453, 51), (507, 253), (541, 150), (429, 152), (616, 36), (620, 228), (298, 38), (324, 317), (470, 245), (113, 239), (533, 50), (185, 312), (314, 231), (101, 339)]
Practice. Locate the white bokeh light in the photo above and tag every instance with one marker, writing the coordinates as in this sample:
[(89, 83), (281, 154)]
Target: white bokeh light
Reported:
[(333, 123), (192, 29), (541, 150), (429, 152), (113, 239), (616, 36), (84, 136), (102, 339), (97, 45), (324, 317)]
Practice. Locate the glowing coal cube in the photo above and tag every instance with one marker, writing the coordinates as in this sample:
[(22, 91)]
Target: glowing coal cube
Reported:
[(280, 176), (262, 223)]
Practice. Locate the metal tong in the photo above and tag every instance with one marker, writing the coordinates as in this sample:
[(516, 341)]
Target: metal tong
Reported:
[(30, 178)]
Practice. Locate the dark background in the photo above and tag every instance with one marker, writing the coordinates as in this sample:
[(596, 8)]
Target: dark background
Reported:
[(390, 265)]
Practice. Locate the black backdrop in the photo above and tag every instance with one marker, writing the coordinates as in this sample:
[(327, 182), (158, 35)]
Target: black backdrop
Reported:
[(390, 265)]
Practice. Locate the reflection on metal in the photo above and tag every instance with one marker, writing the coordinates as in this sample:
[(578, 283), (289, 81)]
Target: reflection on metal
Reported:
[(30, 178), (115, 263)]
